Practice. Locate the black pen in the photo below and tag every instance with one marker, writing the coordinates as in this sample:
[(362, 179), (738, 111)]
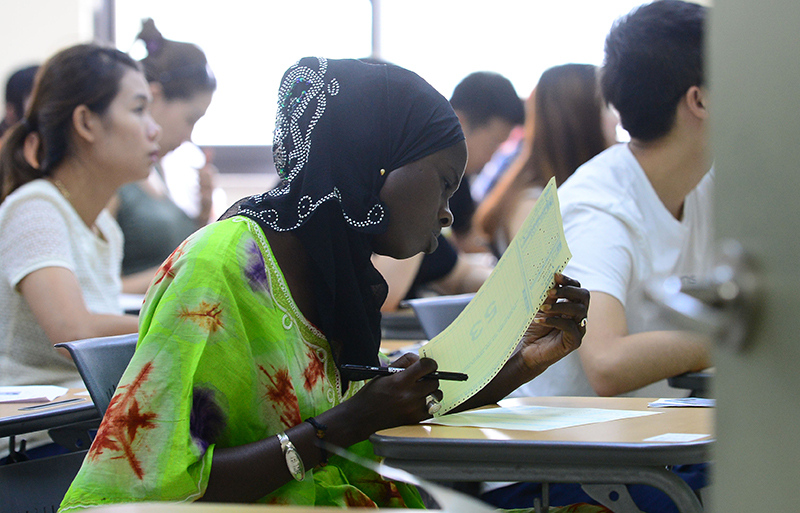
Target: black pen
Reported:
[(53, 403), (367, 371)]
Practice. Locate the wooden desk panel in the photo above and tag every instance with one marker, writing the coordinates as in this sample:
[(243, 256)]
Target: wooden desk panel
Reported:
[(622, 431)]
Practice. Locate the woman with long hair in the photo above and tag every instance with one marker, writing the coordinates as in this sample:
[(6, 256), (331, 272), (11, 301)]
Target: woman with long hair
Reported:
[(566, 124), (151, 219), (88, 130)]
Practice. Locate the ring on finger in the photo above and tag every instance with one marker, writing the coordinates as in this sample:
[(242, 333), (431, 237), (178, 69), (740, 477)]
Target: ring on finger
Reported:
[(432, 404), (583, 323)]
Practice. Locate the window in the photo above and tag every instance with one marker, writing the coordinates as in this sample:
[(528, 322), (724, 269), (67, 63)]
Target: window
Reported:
[(249, 44)]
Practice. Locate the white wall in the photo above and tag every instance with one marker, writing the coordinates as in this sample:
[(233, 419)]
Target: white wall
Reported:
[(32, 30)]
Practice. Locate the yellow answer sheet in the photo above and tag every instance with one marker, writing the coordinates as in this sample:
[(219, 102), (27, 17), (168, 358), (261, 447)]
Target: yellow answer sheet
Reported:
[(486, 333)]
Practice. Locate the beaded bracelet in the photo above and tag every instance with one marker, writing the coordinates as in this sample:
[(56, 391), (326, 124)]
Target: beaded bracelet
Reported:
[(320, 431)]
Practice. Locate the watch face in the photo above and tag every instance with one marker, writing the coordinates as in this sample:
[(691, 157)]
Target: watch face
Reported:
[(295, 464)]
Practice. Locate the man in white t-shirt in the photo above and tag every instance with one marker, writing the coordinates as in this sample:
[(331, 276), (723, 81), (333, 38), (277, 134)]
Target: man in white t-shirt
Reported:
[(640, 211), (636, 212)]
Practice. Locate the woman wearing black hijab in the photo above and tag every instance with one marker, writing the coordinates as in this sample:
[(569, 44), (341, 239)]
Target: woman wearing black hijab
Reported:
[(246, 325)]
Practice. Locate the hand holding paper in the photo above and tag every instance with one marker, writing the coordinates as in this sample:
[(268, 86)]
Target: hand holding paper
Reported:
[(542, 345), (482, 339)]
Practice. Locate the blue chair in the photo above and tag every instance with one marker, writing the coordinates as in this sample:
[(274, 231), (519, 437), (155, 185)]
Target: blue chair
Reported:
[(436, 313)]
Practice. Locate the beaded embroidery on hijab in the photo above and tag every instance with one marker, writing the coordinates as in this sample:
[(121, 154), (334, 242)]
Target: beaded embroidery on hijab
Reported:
[(340, 122), (341, 125)]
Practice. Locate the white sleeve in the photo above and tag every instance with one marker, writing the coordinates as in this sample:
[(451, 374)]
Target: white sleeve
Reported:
[(33, 235), (601, 246)]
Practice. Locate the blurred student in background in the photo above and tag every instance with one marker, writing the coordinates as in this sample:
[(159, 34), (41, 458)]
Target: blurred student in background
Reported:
[(18, 91), (88, 131), (488, 108), (566, 124), (182, 85)]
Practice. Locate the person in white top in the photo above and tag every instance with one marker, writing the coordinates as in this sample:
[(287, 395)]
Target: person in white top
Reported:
[(621, 235), (642, 210), (637, 212), (87, 131)]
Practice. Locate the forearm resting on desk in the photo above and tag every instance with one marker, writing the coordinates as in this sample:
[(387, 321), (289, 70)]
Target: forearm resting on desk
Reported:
[(616, 362), (465, 277), (233, 468), (382, 403), (138, 283), (57, 303)]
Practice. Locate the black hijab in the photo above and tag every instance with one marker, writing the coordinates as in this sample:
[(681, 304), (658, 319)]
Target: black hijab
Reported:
[(341, 127)]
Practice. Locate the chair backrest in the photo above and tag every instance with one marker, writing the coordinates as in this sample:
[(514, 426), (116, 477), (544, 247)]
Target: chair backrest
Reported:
[(402, 324), (37, 485), (101, 362), (436, 313)]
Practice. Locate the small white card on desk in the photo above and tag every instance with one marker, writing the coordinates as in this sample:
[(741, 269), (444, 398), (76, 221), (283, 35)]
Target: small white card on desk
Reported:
[(683, 402), (31, 394), (676, 437)]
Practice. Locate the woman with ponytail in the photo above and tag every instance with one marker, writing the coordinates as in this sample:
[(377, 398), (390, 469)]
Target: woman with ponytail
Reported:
[(182, 85), (88, 130)]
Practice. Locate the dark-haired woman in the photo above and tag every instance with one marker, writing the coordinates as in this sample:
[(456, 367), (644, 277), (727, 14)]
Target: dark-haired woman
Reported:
[(153, 223), (87, 131), (246, 327)]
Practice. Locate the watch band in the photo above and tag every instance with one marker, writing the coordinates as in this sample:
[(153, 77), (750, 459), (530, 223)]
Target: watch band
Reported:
[(293, 461)]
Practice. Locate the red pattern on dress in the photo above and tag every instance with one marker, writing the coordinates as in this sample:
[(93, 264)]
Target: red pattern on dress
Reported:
[(387, 490), (357, 499), (283, 396), (166, 268), (121, 423), (315, 370), (206, 316)]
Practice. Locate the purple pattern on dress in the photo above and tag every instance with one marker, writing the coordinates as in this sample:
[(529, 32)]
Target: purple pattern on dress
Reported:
[(255, 269), (207, 419)]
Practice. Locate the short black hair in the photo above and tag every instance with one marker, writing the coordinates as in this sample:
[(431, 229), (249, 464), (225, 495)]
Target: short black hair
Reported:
[(653, 55), (484, 95), (19, 87)]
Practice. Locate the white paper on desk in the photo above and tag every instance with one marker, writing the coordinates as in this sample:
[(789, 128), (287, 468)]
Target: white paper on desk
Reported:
[(486, 333), (534, 418), (31, 393), (682, 402), (677, 437)]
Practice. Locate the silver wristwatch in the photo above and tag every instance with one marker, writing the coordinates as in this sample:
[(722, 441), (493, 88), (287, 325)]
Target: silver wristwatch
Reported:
[(293, 461)]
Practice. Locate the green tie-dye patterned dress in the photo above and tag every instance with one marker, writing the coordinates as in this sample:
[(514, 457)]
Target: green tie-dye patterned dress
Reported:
[(224, 358)]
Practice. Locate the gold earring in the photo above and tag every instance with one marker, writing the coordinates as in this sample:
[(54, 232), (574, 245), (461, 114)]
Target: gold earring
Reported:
[(383, 172)]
